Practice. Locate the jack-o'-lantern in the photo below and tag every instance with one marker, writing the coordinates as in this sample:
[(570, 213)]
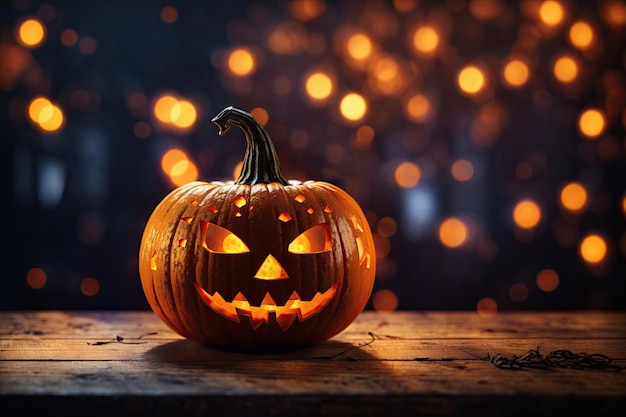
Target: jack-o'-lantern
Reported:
[(259, 261)]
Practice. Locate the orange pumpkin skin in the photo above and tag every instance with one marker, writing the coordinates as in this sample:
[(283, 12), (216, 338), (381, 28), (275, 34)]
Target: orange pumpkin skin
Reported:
[(267, 265)]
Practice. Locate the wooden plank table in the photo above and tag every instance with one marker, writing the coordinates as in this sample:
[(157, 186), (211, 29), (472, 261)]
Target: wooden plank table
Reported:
[(399, 364)]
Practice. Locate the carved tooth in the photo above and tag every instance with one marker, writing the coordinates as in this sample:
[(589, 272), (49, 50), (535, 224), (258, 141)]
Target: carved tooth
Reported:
[(240, 297), (285, 320), (268, 301)]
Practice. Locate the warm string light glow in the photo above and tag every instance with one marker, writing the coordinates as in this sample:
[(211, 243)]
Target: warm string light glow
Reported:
[(425, 40), (31, 33), (547, 280), (36, 278), (48, 116), (593, 249), (175, 113), (407, 174), (319, 86), (551, 13), (526, 214), (573, 197), (471, 80), (353, 107), (241, 62), (516, 73), (353, 75), (178, 167), (591, 123), (581, 35), (418, 108), (453, 232)]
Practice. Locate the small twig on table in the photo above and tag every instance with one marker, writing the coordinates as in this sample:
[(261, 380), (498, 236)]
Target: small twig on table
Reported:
[(120, 339)]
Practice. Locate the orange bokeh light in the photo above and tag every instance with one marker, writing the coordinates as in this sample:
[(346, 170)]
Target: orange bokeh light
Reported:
[(565, 69), (319, 85), (453, 232), (241, 62), (487, 307), (36, 278), (425, 40), (31, 33), (471, 80), (89, 287), (359, 46), (353, 107), (462, 170), (551, 12), (591, 123), (547, 280), (526, 214), (385, 301), (407, 174), (573, 196), (593, 249), (516, 73), (581, 35)]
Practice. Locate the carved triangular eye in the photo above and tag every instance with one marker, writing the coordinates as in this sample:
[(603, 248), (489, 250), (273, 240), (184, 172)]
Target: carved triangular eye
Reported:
[(313, 240), (217, 239)]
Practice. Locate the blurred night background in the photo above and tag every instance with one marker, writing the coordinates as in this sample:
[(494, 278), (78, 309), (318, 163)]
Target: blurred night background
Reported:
[(485, 140)]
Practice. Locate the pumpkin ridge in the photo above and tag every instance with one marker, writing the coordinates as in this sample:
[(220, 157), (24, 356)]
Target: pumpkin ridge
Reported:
[(175, 287), (339, 251)]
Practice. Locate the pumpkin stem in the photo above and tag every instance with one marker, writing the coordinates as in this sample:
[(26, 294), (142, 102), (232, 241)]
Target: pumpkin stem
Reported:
[(260, 163)]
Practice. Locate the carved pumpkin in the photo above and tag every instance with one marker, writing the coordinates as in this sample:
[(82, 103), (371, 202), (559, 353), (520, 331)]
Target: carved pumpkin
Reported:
[(258, 262)]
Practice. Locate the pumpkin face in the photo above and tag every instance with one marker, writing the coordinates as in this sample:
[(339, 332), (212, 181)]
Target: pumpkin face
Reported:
[(258, 262)]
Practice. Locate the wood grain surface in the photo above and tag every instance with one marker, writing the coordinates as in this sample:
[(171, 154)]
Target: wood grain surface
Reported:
[(93, 363)]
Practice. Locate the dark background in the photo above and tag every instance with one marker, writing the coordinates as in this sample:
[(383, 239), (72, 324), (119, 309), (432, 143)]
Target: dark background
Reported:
[(76, 200)]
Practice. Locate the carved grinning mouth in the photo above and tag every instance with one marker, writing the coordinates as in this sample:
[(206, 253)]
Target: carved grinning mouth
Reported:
[(285, 314)]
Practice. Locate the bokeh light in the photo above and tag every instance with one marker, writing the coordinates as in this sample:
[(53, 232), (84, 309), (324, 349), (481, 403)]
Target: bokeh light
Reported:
[(486, 307), (518, 292), (36, 278), (484, 139), (593, 249), (547, 280), (319, 85), (31, 33), (385, 301), (471, 80), (169, 14), (353, 106), (581, 35), (591, 123), (425, 40), (48, 116), (89, 287), (407, 174), (174, 112), (573, 196), (359, 46), (551, 12), (462, 170), (566, 69), (69, 37), (526, 214), (516, 73), (453, 232), (261, 115), (418, 108), (241, 62)]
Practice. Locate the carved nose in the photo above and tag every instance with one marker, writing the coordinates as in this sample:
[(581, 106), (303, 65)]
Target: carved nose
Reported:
[(271, 269)]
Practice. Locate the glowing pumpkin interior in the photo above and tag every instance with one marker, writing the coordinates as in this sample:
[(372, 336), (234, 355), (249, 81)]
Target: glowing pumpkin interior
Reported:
[(217, 239)]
